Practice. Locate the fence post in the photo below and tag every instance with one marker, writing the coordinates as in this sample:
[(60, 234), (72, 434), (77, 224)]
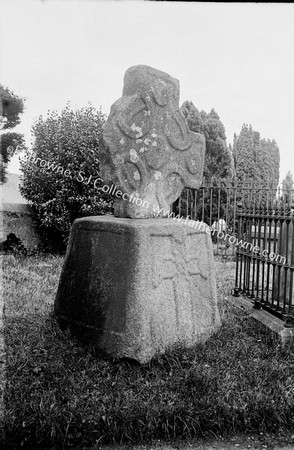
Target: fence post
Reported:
[(237, 288)]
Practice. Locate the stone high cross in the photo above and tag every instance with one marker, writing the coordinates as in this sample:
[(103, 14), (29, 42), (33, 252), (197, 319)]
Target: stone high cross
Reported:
[(137, 285), (147, 148)]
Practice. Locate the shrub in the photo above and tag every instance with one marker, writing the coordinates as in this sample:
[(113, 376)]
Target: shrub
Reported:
[(61, 171)]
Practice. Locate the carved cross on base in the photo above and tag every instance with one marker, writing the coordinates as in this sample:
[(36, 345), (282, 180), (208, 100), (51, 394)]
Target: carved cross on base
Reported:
[(181, 265)]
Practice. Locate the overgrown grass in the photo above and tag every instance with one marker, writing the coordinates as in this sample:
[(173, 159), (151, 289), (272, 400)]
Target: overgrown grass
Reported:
[(61, 394)]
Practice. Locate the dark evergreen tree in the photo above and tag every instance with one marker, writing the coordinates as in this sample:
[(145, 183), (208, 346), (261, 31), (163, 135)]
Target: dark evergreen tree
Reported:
[(218, 157), (256, 159), (245, 151), (287, 188), (218, 163), (268, 162), (192, 117)]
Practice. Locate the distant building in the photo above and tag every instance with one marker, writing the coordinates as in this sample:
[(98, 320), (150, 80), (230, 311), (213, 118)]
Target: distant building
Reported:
[(16, 215)]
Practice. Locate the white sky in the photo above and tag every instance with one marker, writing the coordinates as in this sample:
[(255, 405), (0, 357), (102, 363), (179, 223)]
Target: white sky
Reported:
[(236, 58)]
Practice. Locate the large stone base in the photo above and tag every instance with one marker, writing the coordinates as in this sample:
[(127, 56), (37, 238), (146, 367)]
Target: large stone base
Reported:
[(137, 288)]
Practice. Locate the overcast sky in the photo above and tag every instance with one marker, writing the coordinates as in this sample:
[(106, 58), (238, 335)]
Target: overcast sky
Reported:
[(235, 58)]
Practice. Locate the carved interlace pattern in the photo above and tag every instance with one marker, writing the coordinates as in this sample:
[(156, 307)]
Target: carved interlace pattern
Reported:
[(147, 145)]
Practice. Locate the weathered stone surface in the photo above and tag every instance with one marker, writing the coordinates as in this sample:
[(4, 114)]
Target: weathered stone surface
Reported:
[(147, 148), (135, 288)]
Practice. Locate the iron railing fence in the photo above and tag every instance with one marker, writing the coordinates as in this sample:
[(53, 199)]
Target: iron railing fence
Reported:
[(265, 258), (216, 203)]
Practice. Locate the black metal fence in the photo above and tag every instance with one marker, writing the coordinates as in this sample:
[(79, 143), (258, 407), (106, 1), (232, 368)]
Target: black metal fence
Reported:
[(216, 203), (258, 220), (265, 257)]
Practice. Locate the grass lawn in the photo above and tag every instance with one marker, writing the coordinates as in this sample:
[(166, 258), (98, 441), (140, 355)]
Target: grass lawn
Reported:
[(59, 394)]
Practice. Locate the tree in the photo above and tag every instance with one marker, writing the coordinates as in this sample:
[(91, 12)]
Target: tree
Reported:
[(256, 159), (192, 117), (244, 152), (11, 108), (257, 163), (218, 157), (288, 188), (218, 163), (268, 162), (61, 171)]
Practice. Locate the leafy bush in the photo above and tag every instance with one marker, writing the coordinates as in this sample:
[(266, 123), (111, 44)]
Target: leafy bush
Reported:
[(61, 171)]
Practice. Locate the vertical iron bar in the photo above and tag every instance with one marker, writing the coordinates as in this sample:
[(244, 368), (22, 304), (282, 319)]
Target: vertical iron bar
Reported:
[(237, 288), (290, 318)]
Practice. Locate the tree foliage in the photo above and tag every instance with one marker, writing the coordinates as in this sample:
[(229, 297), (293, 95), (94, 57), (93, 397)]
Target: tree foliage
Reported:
[(288, 188), (61, 171), (11, 109), (218, 163), (218, 158), (255, 158)]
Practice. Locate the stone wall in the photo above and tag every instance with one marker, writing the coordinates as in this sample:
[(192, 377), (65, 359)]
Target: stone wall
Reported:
[(21, 224)]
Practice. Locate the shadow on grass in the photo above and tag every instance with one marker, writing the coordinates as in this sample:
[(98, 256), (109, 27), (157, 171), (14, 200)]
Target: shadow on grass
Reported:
[(60, 394)]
